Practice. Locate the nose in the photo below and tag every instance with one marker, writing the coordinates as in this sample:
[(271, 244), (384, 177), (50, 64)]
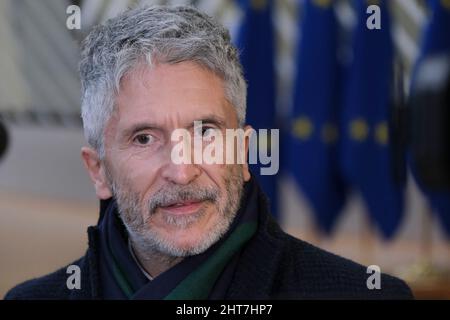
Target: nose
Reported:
[(181, 173)]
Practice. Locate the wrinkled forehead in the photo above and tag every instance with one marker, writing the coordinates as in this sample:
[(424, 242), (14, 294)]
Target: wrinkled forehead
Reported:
[(172, 96)]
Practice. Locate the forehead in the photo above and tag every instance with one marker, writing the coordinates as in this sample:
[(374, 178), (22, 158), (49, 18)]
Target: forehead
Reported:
[(172, 94)]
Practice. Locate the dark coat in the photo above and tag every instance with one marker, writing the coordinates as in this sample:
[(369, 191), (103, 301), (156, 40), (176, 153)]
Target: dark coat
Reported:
[(273, 265)]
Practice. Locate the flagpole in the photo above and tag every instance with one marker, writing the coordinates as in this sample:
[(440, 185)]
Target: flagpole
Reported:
[(316, 235), (426, 243), (367, 239), (421, 274)]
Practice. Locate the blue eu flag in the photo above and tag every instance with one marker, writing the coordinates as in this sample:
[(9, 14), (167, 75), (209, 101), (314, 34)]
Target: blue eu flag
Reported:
[(256, 44), (436, 41), (365, 148), (313, 159)]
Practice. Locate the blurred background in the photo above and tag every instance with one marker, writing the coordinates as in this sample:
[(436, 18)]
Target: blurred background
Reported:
[(360, 96)]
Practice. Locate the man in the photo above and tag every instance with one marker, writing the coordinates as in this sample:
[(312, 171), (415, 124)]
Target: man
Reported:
[(170, 230)]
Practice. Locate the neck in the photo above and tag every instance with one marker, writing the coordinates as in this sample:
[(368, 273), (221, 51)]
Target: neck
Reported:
[(153, 261)]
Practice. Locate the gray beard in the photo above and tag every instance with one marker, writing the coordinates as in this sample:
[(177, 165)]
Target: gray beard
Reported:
[(149, 243)]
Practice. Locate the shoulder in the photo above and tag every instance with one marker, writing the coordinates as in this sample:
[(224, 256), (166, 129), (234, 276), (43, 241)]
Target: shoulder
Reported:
[(52, 286), (306, 271)]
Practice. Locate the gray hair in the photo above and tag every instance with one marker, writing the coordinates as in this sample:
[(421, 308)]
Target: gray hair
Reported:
[(152, 34)]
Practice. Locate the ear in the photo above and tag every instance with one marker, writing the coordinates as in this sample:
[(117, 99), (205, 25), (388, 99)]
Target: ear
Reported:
[(248, 131), (96, 170)]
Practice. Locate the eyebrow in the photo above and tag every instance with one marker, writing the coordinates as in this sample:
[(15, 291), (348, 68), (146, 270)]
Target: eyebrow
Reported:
[(140, 127), (208, 119)]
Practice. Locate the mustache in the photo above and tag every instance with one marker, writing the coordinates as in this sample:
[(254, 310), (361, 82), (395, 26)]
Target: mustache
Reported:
[(170, 195)]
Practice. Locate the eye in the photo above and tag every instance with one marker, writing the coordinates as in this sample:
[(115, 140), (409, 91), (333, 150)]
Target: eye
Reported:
[(208, 132), (143, 139), (205, 132)]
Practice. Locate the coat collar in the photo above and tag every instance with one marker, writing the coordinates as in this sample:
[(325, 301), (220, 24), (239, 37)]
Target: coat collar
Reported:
[(90, 281), (258, 264)]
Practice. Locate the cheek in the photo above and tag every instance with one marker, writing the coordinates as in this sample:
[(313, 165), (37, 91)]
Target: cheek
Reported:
[(215, 172), (219, 174), (138, 174)]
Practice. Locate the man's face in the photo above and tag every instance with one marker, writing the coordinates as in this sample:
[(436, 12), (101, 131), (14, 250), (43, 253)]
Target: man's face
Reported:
[(177, 209)]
